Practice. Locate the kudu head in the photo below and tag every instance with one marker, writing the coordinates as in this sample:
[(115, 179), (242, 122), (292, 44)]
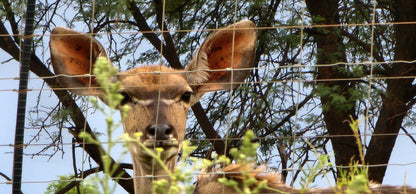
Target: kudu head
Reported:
[(159, 97)]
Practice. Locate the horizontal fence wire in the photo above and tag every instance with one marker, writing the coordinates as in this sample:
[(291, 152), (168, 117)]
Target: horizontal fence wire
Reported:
[(298, 68)]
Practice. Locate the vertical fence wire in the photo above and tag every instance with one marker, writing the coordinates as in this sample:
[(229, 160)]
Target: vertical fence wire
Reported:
[(22, 96)]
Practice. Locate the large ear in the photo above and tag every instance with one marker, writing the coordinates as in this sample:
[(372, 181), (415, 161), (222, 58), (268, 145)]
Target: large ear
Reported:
[(210, 68), (73, 55)]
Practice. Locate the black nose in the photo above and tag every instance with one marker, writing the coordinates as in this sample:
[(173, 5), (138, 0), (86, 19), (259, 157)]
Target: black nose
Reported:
[(160, 131)]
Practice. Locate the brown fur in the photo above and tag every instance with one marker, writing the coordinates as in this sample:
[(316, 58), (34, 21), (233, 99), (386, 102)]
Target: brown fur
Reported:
[(208, 183)]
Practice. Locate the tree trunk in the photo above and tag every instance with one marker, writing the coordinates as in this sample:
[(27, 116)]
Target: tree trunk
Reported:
[(330, 50), (398, 93)]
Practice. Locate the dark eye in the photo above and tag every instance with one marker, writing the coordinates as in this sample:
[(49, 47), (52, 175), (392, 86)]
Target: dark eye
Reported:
[(186, 97), (126, 98)]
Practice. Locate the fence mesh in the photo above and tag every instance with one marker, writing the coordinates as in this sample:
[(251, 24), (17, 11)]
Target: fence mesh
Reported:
[(317, 68)]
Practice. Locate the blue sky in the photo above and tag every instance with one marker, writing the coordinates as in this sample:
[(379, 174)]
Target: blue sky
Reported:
[(38, 171)]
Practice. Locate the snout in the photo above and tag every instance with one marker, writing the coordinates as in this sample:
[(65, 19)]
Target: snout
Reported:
[(160, 135), (159, 132)]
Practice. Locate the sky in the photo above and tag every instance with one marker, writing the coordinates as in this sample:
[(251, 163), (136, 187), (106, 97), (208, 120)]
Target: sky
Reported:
[(38, 171)]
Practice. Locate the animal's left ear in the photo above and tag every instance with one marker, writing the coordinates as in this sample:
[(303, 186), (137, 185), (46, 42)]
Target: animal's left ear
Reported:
[(232, 47)]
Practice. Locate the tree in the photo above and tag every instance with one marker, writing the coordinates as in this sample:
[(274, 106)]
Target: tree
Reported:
[(336, 110), (308, 81), (397, 98)]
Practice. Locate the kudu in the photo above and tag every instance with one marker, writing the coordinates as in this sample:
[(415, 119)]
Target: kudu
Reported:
[(159, 97), (208, 183)]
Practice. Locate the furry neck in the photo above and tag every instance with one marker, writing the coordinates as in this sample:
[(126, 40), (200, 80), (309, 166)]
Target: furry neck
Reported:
[(147, 172)]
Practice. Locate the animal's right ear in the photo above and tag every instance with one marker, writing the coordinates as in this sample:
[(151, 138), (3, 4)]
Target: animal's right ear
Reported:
[(73, 55)]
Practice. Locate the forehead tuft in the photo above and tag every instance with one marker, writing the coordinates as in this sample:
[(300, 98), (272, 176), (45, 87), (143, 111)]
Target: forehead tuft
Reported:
[(147, 80)]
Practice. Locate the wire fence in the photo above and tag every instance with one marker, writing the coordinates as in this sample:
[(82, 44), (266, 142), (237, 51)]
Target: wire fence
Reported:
[(293, 89)]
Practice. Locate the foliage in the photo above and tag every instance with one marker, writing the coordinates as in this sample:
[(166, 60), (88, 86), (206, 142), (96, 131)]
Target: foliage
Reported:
[(245, 155), (181, 179), (104, 72), (86, 186), (356, 178)]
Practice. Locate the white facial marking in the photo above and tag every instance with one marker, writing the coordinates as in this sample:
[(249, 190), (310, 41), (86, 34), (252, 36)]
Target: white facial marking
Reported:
[(151, 101)]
